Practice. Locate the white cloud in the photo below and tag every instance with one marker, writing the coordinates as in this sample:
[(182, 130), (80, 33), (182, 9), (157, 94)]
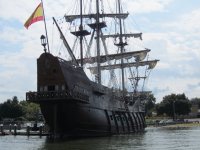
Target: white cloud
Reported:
[(189, 22), (177, 47), (16, 10), (176, 85), (141, 6)]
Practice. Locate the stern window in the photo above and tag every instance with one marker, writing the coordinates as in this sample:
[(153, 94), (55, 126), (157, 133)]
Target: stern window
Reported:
[(45, 88), (51, 88), (57, 88), (41, 89), (63, 87)]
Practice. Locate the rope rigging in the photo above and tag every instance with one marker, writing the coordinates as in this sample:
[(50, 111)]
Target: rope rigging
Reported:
[(88, 44)]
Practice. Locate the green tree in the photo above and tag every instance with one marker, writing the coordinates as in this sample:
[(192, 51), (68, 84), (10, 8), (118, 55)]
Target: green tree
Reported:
[(172, 104), (11, 109), (196, 101), (150, 104), (31, 110)]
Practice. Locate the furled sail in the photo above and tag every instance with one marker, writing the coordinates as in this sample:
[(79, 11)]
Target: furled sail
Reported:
[(151, 64), (70, 18), (135, 35), (138, 55)]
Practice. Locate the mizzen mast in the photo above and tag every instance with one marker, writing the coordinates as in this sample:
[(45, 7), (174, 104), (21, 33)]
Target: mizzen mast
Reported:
[(121, 46)]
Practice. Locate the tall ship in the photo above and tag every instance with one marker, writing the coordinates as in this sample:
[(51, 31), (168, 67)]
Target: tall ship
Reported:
[(98, 89)]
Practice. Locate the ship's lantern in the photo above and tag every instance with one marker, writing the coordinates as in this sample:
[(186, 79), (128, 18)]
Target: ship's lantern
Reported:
[(43, 42)]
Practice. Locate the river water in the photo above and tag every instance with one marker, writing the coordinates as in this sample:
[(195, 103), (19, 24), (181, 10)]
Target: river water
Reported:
[(153, 139)]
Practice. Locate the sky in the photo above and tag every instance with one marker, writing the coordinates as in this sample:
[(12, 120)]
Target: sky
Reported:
[(171, 29)]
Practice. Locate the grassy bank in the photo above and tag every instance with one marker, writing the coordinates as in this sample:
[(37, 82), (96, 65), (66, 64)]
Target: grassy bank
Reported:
[(182, 125), (169, 123)]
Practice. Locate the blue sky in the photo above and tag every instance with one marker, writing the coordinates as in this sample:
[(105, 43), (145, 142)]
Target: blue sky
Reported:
[(171, 29)]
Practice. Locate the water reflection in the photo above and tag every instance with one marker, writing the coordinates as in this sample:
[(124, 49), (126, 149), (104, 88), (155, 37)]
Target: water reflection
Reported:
[(100, 143), (152, 139)]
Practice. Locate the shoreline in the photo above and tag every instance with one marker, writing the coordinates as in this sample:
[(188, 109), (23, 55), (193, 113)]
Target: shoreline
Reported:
[(182, 125), (177, 126)]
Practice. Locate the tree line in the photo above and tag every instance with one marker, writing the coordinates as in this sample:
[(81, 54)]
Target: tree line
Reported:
[(19, 110), (172, 105)]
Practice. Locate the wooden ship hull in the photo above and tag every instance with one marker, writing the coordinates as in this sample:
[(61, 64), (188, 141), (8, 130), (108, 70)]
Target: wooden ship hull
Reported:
[(74, 106)]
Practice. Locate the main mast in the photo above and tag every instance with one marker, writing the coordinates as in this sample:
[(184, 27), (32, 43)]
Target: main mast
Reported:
[(98, 42), (81, 29), (121, 45)]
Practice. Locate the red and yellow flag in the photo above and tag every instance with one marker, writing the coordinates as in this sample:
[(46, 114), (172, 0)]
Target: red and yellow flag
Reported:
[(37, 15)]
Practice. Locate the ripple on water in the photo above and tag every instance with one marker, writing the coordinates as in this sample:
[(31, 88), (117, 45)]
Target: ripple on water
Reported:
[(152, 139)]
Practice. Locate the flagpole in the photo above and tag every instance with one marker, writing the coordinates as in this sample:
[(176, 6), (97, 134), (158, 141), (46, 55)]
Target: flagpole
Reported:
[(45, 27)]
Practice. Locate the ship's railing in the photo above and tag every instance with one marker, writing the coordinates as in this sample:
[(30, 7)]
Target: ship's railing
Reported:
[(56, 95), (80, 96), (35, 96)]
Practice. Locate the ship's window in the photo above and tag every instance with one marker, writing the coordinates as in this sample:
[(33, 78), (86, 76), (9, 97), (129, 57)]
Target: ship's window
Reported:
[(63, 87), (57, 87), (41, 89), (51, 88), (45, 88)]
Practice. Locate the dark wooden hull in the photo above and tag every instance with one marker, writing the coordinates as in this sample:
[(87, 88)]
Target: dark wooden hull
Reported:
[(78, 120), (74, 106)]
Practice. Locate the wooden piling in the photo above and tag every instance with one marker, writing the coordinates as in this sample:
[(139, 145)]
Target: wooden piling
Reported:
[(40, 130), (15, 129), (1, 128), (10, 128), (28, 130)]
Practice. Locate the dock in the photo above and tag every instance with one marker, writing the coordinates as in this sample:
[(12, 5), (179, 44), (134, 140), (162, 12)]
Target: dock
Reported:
[(28, 131)]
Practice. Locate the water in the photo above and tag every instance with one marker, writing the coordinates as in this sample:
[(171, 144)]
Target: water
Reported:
[(152, 139)]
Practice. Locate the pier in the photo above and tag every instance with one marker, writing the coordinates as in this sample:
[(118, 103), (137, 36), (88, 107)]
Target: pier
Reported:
[(25, 131)]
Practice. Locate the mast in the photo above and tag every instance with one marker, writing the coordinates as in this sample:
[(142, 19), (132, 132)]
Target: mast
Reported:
[(45, 26), (150, 63), (137, 78), (121, 44), (98, 42), (81, 37)]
